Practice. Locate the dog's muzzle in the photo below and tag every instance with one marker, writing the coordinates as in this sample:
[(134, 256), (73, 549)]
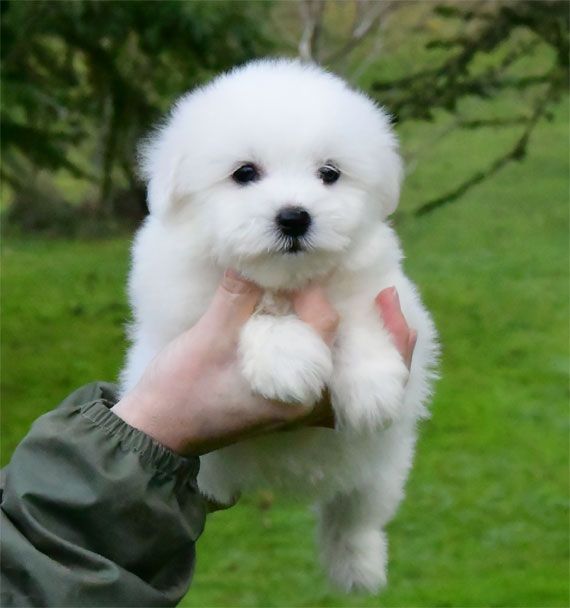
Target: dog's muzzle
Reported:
[(293, 222)]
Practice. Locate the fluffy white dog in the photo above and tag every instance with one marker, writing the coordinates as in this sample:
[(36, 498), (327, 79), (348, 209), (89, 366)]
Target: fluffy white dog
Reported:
[(280, 170)]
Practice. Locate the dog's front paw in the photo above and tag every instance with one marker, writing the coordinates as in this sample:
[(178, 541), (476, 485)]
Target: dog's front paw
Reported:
[(284, 359), (356, 559), (369, 396)]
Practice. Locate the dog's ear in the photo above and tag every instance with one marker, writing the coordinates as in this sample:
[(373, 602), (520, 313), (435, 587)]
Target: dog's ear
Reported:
[(384, 166), (391, 177), (159, 163)]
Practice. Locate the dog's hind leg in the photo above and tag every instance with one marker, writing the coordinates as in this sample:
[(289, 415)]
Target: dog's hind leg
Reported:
[(351, 539)]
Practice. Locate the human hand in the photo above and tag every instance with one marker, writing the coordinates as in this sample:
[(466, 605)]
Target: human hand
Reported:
[(193, 399)]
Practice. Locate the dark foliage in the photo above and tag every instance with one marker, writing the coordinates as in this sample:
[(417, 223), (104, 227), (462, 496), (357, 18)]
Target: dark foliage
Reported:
[(83, 80)]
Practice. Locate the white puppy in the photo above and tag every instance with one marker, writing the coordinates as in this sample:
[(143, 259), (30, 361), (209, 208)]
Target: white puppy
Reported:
[(281, 171)]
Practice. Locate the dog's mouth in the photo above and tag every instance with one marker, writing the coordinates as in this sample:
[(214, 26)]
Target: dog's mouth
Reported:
[(293, 245)]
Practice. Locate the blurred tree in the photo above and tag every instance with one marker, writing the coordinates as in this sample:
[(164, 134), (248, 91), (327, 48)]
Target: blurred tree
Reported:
[(84, 80), (93, 76), (360, 19), (485, 63), (332, 32)]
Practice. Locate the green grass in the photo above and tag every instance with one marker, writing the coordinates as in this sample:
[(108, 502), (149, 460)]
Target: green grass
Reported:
[(485, 520)]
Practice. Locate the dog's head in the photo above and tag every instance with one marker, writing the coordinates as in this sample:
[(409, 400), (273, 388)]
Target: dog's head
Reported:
[(277, 168)]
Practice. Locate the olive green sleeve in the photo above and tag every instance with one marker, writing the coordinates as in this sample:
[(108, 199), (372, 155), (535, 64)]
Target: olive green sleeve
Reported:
[(96, 513)]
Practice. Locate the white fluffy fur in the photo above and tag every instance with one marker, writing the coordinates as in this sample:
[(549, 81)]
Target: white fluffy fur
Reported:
[(289, 119)]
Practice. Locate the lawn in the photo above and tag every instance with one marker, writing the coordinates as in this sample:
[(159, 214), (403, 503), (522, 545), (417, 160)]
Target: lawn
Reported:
[(485, 520)]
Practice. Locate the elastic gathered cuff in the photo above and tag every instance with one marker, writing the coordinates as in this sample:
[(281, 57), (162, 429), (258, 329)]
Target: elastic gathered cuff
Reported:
[(150, 451)]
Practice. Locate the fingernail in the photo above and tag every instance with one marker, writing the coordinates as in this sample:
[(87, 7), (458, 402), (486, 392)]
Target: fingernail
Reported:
[(392, 293)]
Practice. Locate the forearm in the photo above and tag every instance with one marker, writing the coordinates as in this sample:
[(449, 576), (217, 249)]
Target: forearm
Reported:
[(97, 513)]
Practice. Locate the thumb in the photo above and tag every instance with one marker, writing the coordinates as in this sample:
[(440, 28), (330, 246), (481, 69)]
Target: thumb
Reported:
[(233, 303)]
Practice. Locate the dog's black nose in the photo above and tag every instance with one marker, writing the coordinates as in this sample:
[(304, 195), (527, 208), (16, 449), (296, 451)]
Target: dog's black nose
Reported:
[(293, 221)]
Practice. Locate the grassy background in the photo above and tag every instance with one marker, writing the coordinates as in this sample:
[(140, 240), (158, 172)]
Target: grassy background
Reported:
[(485, 521)]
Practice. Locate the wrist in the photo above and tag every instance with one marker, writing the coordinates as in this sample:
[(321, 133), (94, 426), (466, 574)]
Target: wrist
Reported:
[(148, 415)]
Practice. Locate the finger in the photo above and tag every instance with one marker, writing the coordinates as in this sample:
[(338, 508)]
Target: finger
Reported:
[(313, 307), (388, 304), (233, 303)]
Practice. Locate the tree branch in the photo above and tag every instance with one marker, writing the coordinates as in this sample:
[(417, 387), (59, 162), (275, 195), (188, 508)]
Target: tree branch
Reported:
[(517, 152), (366, 22), (312, 16)]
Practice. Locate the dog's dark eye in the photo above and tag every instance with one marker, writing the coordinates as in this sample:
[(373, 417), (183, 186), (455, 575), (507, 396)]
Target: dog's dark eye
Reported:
[(329, 174), (245, 174)]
